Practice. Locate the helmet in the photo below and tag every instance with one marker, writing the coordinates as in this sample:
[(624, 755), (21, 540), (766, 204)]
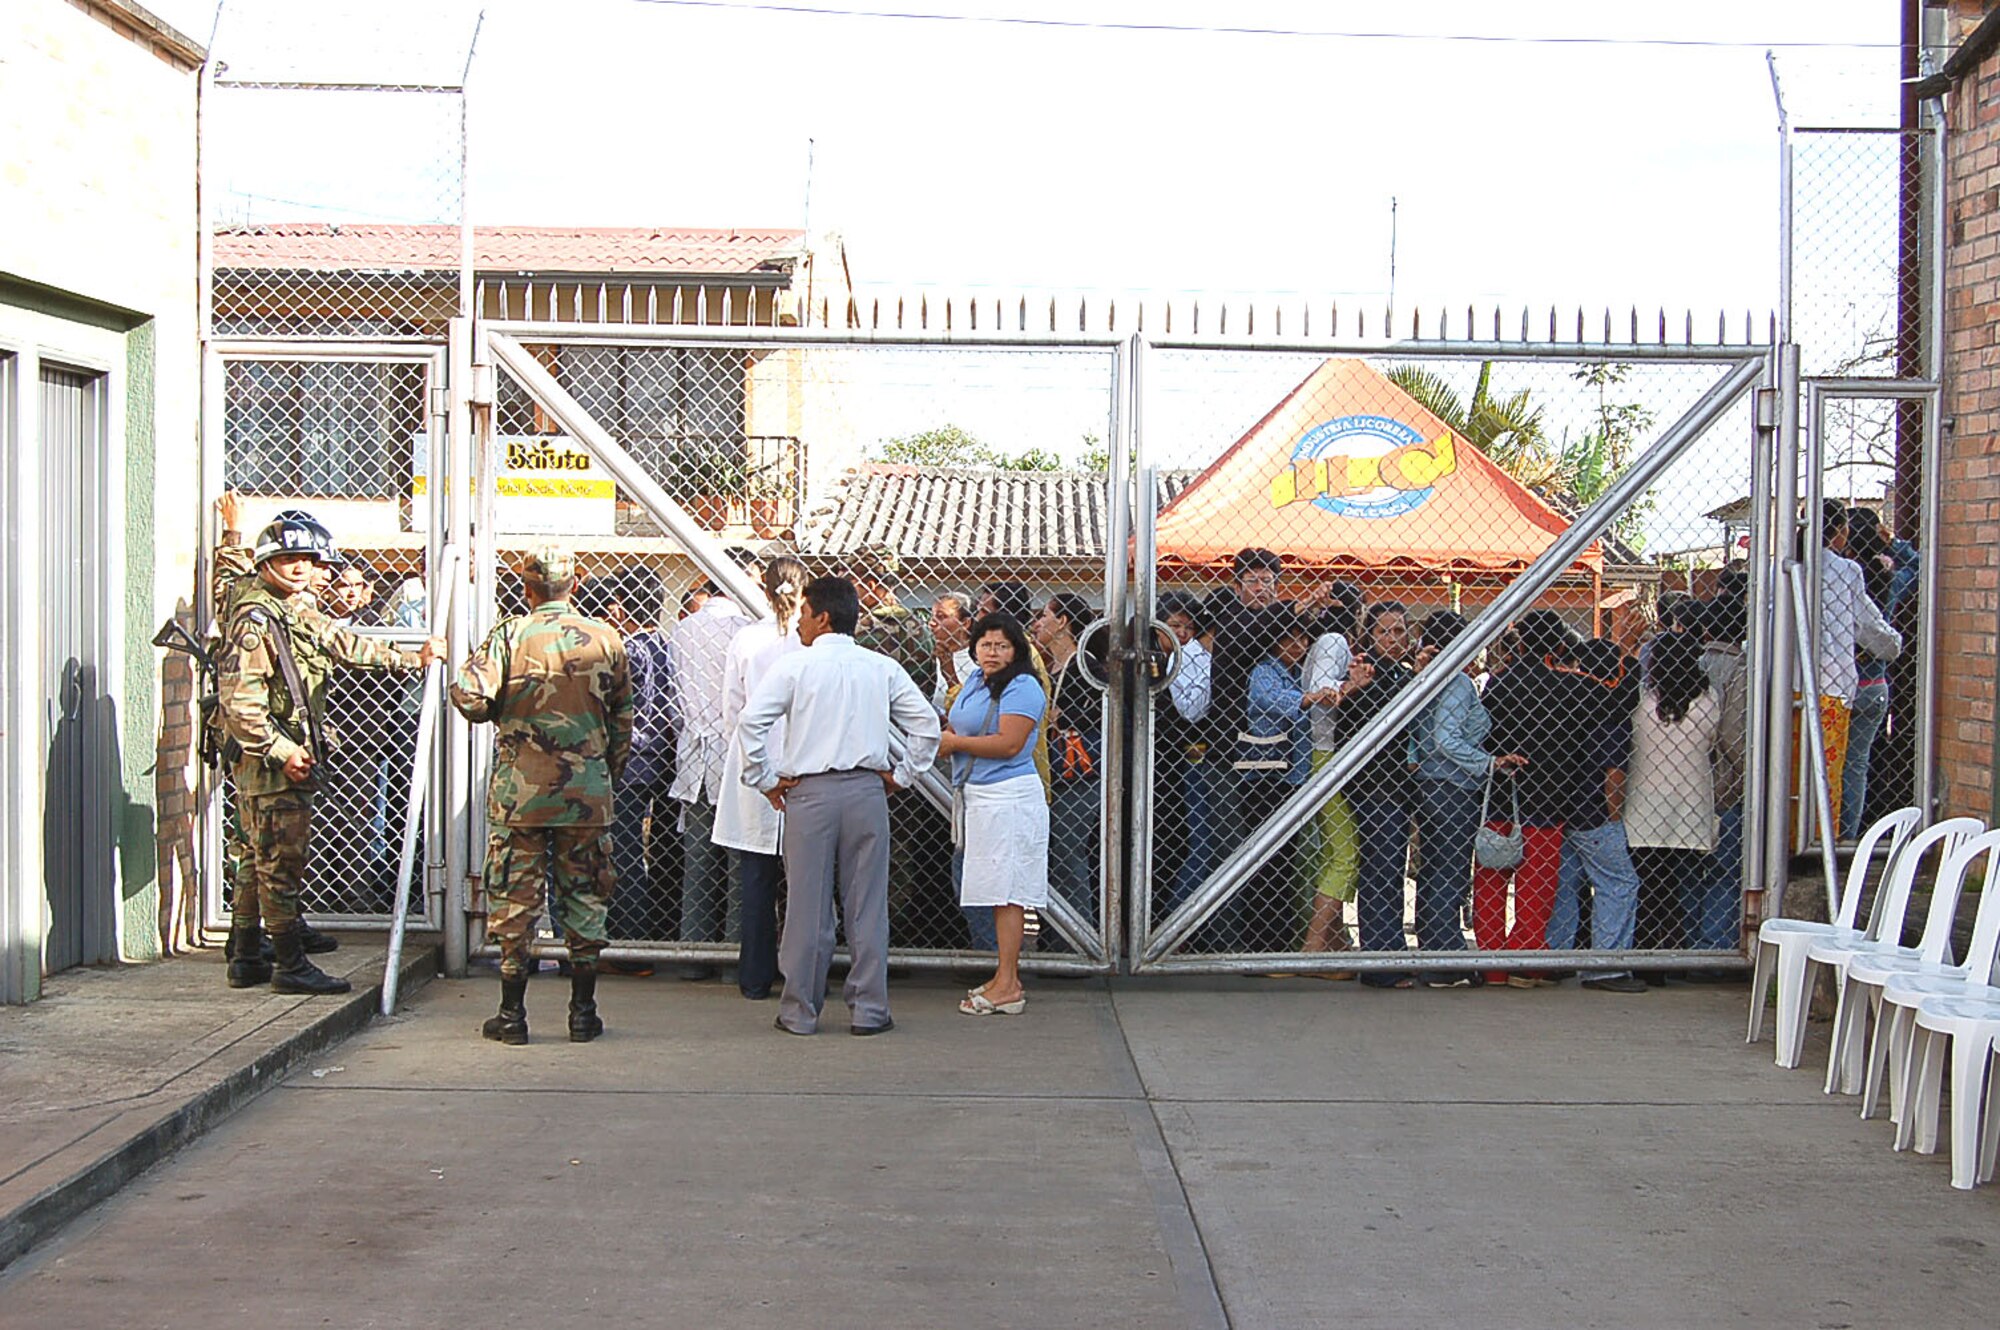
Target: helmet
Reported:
[(325, 549), (288, 535)]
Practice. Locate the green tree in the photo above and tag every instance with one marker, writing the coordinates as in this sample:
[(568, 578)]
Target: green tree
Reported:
[(949, 446), (1586, 466)]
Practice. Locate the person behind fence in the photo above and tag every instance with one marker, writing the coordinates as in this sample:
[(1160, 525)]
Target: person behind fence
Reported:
[(1594, 844), (1869, 549), (1076, 754), (366, 783), (745, 822), (555, 687), (1715, 909), (1380, 791), (277, 656), (1849, 621), (1337, 609), (644, 850), (951, 645), (698, 651), (1268, 913), (1000, 812), (1541, 711), (831, 779), (1182, 836), (1452, 770), (1670, 794)]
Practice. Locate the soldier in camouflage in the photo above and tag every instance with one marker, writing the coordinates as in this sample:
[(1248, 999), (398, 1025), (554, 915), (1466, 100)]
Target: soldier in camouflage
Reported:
[(277, 656), (234, 569), (556, 687)]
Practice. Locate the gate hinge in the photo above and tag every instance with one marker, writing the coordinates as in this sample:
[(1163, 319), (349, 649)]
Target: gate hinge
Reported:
[(480, 389), (1767, 408), (440, 402)]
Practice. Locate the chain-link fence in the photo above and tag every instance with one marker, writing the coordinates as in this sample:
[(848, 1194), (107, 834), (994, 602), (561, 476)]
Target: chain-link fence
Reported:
[(1338, 541), (935, 527)]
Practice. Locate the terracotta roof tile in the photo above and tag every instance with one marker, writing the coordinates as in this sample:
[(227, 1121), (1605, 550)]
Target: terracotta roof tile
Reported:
[(973, 514), (624, 250)]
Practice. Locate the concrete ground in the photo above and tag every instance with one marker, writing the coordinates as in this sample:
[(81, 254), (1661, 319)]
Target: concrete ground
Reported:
[(1150, 1153)]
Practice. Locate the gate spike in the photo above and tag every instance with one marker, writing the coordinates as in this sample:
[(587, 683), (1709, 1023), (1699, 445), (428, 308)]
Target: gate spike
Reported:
[(825, 320), (1197, 319), (1635, 325), (1470, 324), (1167, 317), (1607, 325), (1111, 316), (1721, 327), (1082, 314), (1305, 319), (701, 303), (1524, 323), (1496, 323), (875, 314), (1663, 325), (1749, 328), (1333, 319), (999, 318), (1416, 324), (575, 302), (1579, 324), (1052, 313), (1250, 320), (924, 311), (625, 306), (1222, 320), (1552, 323), (1361, 324), (726, 312), (1690, 326), (1142, 317)]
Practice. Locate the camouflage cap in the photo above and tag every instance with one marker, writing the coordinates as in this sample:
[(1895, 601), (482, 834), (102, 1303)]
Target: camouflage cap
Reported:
[(548, 563)]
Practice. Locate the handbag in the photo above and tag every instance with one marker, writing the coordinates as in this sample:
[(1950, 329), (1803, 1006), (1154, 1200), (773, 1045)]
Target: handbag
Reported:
[(1501, 851)]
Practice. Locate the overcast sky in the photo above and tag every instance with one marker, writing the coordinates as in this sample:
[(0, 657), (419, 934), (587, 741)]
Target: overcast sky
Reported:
[(999, 155), (1542, 152)]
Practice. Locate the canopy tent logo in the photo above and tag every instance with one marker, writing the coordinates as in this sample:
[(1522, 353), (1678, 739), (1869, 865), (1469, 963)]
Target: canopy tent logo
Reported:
[(1364, 466)]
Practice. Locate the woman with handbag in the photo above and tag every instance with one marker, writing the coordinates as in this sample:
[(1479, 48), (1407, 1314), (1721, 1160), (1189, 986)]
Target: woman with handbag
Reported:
[(1452, 770), (1000, 821), (1541, 713)]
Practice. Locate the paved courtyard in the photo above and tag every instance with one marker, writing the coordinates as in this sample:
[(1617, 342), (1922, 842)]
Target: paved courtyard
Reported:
[(1151, 1153)]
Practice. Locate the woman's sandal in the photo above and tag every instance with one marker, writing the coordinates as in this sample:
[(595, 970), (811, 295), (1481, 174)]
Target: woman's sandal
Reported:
[(975, 1004)]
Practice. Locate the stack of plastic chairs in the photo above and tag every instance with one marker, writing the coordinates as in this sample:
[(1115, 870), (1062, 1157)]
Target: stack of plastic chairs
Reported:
[(1782, 943)]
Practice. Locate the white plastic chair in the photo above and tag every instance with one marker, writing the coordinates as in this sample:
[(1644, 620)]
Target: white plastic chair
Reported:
[(1884, 934), (1782, 943), (1871, 976), (1970, 1025)]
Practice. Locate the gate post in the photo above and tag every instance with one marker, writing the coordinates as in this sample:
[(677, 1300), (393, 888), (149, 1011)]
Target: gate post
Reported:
[(1122, 695), (455, 497)]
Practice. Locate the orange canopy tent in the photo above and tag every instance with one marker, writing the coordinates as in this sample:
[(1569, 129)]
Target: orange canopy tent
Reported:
[(1349, 473)]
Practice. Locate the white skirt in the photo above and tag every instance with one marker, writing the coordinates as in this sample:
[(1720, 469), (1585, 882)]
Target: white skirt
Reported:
[(1006, 843)]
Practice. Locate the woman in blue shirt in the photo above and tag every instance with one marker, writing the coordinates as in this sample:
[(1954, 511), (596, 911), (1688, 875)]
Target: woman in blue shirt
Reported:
[(1000, 812)]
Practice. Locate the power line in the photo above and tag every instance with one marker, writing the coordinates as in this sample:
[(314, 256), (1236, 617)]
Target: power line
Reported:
[(1488, 38)]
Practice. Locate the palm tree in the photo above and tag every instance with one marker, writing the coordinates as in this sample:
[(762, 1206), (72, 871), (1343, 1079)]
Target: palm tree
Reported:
[(1508, 430)]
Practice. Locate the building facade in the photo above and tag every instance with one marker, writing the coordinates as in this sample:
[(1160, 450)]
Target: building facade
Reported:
[(99, 374)]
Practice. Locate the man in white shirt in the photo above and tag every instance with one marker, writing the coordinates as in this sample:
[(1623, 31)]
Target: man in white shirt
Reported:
[(841, 705), (1847, 619), (697, 654)]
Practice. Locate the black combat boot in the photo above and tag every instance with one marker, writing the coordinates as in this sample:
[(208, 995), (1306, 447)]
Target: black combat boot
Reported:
[(295, 974), (265, 952), (510, 1026), (315, 942), (584, 1024), (245, 950)]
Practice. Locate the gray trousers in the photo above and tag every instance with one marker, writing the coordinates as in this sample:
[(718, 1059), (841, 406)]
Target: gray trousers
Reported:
[(836, 830)]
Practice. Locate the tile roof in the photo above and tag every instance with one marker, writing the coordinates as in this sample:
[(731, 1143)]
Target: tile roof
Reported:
[(623, 250), (939, 513)]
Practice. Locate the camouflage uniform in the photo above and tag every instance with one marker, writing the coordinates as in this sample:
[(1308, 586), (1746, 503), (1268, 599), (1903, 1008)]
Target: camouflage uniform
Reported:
[(270, 725), (556, 687), (904, 636)]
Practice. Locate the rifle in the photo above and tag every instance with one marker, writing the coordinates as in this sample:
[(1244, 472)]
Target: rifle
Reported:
[(175, 637)]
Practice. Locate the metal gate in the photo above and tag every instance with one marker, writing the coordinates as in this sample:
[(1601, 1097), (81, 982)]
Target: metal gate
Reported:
[(674, 458), (351, 433), (1342, 490)]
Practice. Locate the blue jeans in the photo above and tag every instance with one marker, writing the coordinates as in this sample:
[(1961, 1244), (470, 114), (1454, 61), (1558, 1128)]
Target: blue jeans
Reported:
[(1073, 820), (1714, 902), (978, 918), (1871, 706), (1197, 855), (1384, 827), (1447, 821), (1600, 852)]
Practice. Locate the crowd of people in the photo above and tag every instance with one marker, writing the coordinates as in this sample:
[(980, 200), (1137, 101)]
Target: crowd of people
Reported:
[(1618, 779)]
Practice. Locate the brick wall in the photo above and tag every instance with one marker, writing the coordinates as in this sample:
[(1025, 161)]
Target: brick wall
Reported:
[(1968, 550)]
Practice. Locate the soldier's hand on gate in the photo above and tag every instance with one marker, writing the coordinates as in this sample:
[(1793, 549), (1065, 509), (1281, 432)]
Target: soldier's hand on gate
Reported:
[(298, 767), (229, 511), (432, 651), (1510, 762)]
